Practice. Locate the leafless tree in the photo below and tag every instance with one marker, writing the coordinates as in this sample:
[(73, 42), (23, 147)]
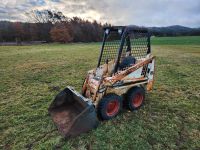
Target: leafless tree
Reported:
[(46, 16)]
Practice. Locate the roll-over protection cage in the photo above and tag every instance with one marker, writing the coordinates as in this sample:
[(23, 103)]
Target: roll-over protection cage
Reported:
[(119, 40)]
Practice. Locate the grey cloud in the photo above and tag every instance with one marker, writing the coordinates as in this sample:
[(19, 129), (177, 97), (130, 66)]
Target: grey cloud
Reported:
[(2, 10), (153, 13), (118, 12)]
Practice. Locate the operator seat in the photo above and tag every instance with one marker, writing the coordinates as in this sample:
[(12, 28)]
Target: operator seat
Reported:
[(127, 62)]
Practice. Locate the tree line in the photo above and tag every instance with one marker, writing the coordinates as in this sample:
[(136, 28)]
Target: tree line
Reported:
[(51, 26), (54, 26)]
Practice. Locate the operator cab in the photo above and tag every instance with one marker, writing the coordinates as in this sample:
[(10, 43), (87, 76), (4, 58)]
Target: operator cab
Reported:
[(122, 47)]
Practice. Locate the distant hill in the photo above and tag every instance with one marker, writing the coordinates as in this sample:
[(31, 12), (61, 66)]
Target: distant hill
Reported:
[(175, 30)]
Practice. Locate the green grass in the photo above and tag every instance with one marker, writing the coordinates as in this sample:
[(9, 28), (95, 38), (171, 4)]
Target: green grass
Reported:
[(184, 40), (170, 118)]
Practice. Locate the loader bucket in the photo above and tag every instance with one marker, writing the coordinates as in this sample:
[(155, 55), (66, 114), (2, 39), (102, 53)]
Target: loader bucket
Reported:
[(72, 113)]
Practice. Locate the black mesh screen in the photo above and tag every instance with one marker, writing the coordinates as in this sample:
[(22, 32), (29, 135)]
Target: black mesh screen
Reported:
[(145, 70), (111, 47), (138, 44)]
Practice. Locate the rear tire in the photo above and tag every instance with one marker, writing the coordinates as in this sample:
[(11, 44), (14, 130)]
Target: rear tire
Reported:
[(135, 98), (109, 106)]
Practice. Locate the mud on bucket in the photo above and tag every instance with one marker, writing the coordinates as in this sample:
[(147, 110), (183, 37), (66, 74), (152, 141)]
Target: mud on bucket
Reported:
[(72, 113)]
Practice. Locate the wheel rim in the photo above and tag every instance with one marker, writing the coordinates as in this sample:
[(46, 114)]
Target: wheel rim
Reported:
[(112, 108), (137, 100)]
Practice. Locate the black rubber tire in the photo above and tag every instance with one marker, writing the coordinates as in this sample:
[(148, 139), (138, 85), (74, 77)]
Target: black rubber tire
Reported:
[(127, 62), (130, 101), (103, 104)]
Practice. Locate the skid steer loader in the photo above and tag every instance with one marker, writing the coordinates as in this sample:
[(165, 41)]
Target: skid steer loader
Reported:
[(125, 71)]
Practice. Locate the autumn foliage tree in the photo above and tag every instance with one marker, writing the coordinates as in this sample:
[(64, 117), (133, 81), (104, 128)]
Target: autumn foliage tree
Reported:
[(61, 33)]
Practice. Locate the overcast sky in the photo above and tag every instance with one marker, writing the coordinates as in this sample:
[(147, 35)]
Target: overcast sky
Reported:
[(117, 12)]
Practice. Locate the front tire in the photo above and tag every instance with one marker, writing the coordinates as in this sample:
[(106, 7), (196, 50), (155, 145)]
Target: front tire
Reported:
[(109, 106), (135, 98)]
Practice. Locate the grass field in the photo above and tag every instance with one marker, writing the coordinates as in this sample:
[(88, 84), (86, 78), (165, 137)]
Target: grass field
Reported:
[(31, 75)]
